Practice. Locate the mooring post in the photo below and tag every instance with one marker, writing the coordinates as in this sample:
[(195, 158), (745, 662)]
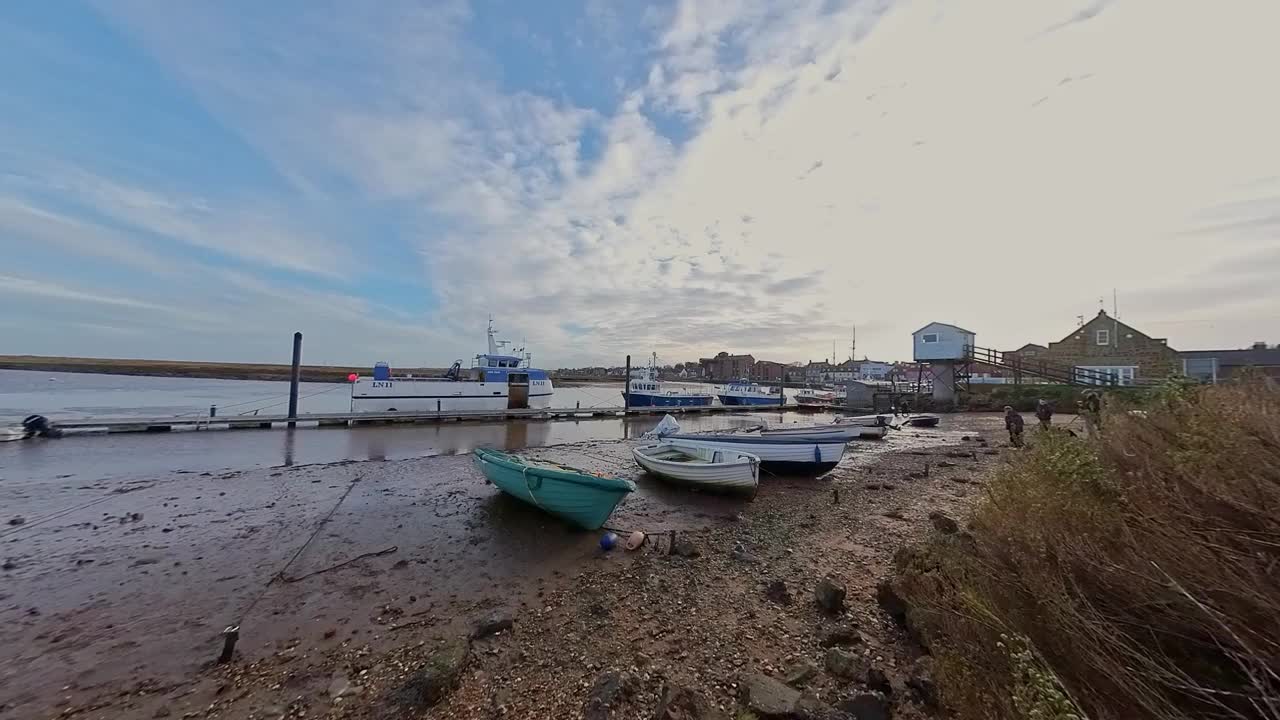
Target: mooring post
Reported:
[(294, 374), (213, 411), (626, 387)]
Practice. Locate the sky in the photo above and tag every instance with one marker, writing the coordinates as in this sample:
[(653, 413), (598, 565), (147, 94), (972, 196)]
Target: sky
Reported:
[(196, 180)]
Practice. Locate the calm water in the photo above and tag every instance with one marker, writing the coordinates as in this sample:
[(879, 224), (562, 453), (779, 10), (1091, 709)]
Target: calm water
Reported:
[(79, 395), (130, 455)]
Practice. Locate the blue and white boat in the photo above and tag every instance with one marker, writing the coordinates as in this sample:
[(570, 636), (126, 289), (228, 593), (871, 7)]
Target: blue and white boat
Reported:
[(495, 381), (646, 391), (749, 393)]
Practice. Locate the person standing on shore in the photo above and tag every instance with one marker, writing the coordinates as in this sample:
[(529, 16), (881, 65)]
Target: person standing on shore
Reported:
[(1091, 411), (1013, 423), (1044, 413)]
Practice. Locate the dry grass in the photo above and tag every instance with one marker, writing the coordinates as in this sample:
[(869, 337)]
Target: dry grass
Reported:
[(1137, 576)]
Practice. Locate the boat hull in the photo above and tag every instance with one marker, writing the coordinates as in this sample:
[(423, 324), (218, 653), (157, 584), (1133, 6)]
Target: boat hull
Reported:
[(427, 395), (783, 455), (748, 400), (663, 400), (814, 433), (724, 470), (924, 420), (581, 499)]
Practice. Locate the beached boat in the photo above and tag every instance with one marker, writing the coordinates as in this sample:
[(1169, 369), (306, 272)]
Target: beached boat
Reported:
[(574, 495), (645, 390), (495, 381), (777, 454), (924, 420), (865, 420), (706, 468), (829, 432), (749, 393)]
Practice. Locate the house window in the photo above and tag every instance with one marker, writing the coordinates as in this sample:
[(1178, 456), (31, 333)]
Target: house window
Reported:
[(929, 338), (1106, 374), (1103, 337)]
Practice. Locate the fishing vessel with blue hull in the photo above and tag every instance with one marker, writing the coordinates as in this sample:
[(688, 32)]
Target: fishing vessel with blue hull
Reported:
[(495, 381), (646, 391), (581, 498), (749, 393)]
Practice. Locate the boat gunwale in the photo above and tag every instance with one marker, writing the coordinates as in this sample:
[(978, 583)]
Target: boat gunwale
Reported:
[(595, 482)]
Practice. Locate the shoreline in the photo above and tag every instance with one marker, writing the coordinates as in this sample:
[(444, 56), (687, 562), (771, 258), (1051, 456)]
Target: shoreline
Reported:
[(580, 617)]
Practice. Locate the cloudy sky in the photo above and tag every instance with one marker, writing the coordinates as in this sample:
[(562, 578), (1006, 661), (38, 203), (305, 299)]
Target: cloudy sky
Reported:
[(197, 180)]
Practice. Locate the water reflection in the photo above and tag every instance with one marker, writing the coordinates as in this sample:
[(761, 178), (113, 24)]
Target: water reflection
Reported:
[(131, 455)]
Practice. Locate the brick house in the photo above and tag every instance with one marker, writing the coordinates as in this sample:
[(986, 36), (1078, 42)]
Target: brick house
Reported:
[(1106, 345), (768, 371), (728, 367)]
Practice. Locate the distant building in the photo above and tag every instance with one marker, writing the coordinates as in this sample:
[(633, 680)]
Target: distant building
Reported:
[(941, 341), (817, 372), (1106, 346), (768, 371), (728, 367), (1211, 366)]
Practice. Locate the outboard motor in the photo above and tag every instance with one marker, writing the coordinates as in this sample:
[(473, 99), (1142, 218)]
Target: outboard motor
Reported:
[(39, 426)]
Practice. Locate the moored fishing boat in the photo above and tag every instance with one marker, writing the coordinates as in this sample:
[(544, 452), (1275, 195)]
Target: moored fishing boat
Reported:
[(864, 420), (584, 499), (813, 399), (777, 454), (924, 420), (495, 381), (644, 390), (749, 393), (705, 468)]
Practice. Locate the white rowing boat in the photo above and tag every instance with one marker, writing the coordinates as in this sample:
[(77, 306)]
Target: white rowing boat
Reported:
[(777, 454), (705, 468), (832, 432)]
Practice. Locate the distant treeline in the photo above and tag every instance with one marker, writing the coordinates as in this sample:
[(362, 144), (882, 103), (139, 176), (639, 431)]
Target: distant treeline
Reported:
[(183, 368)]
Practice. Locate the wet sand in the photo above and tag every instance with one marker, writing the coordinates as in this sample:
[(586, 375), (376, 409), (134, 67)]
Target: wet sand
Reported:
[(114, 609)]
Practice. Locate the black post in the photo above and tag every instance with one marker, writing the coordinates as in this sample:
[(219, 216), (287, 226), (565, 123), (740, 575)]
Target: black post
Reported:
[(294, 375), (626, 388), (213, 411)]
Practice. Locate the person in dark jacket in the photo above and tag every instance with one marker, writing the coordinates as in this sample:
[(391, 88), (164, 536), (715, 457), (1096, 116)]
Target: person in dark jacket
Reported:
[(1013, 423), (1044, 413)]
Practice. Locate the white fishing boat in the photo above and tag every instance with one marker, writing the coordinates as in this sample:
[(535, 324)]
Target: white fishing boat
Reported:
[(777, 454), (495, 381), (16, 432), (706, 468)]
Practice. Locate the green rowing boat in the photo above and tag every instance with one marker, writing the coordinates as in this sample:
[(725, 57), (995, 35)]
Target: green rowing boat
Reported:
[(583, 499)]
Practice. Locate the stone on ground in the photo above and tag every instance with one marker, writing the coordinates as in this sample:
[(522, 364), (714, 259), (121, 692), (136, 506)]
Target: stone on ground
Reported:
[(683, 703), (492, 625), (436, 678), (866, 706), (768, 698), (943, 523), (844, 664), (830, 596), (799, 673), (778, 593), (609, 690)]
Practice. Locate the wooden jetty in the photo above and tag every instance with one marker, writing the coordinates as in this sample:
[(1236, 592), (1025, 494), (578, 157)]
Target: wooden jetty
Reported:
[(347, 419)]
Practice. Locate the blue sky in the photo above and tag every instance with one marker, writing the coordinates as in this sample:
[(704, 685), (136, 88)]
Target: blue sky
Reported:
[(199, 180)]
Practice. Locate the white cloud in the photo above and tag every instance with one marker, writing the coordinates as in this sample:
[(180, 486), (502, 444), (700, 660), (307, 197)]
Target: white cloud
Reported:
[(997, 164)]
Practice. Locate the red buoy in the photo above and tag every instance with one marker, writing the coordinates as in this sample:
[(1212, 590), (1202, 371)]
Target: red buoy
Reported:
[(352, 377)]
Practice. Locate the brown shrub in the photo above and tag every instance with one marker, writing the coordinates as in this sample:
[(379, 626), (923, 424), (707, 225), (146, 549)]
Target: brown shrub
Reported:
[(1136, 576)]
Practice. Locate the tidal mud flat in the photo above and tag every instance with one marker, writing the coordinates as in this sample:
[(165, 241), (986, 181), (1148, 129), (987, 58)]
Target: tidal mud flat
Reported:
[(476, 605)]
